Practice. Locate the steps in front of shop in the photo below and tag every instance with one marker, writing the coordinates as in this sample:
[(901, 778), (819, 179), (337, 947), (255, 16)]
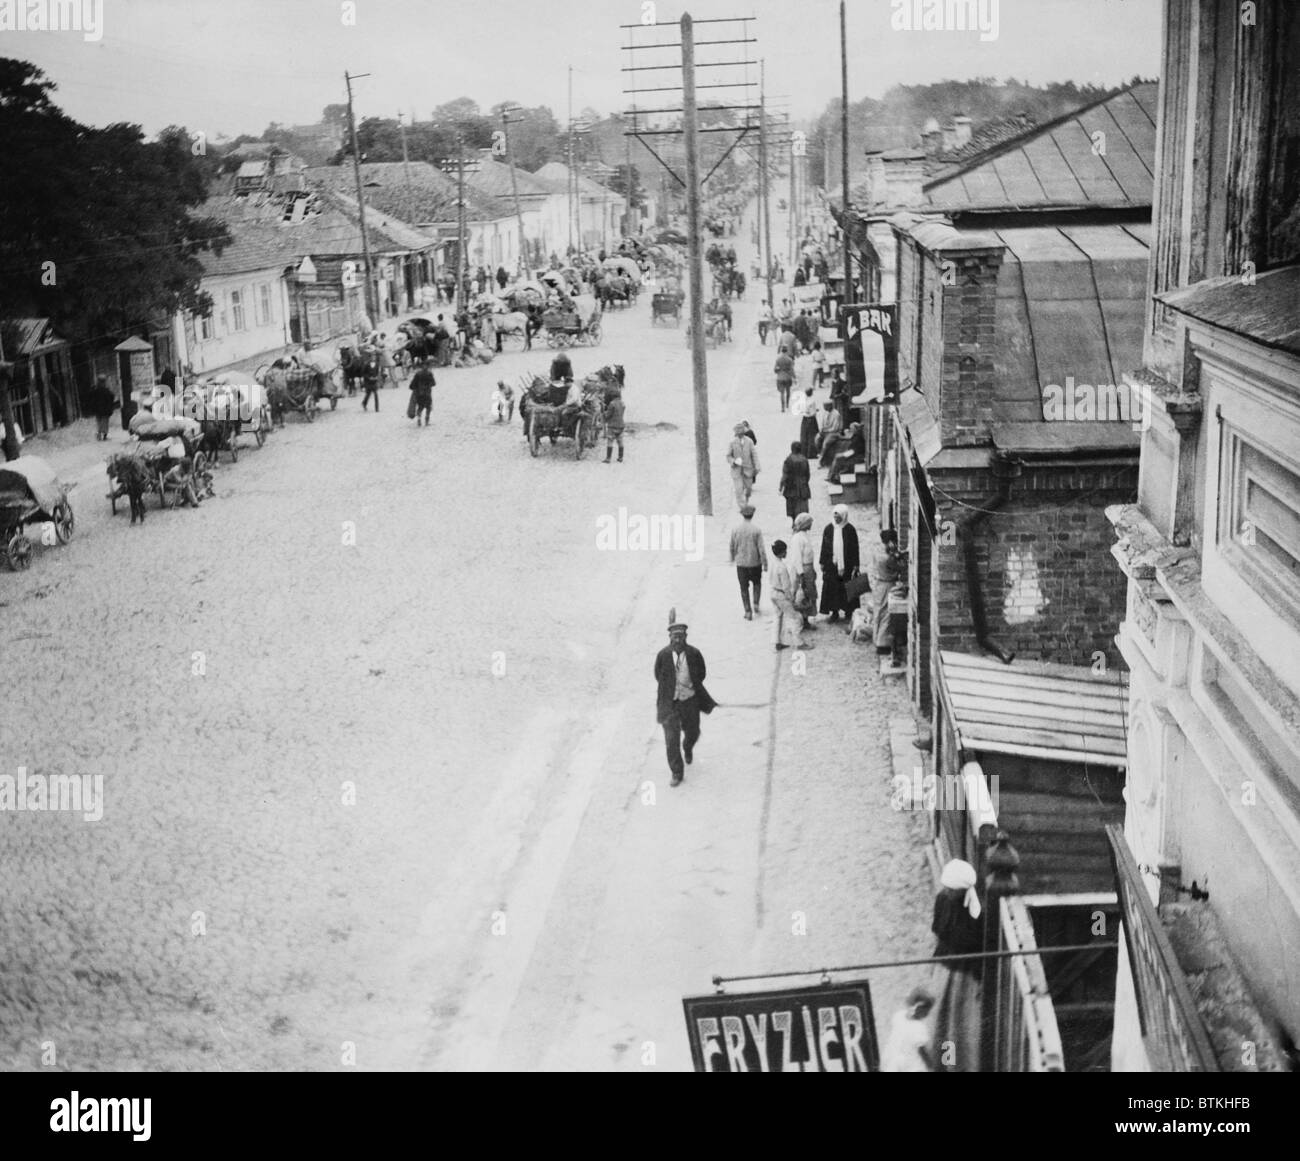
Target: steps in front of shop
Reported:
[(856, 486)]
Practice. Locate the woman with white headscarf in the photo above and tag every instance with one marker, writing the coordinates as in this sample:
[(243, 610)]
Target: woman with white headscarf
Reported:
[(959, 928), (839, 561)]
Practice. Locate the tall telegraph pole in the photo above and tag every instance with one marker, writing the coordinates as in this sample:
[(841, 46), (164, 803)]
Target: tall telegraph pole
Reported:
[(762, 165), (844, 148), (514, 185), (695, 251), (372, 308), (460, 222)]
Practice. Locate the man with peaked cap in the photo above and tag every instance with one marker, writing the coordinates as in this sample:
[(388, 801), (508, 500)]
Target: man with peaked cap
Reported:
[(680, 672), (750, 558)]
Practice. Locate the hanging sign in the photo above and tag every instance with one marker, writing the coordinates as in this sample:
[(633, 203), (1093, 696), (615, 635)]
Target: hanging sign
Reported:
[(827, 1028), (857, 318)]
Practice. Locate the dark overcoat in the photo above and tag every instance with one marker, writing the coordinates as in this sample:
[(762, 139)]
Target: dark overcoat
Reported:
[(666, 676)]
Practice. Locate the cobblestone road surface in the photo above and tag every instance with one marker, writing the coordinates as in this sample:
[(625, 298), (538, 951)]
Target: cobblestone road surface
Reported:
[(378, 750)]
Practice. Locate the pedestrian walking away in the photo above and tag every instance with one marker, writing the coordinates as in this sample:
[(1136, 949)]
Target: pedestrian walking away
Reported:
[(614, 412), (422, 385), (784, 368), (839, 561), (750, 558), (794, 482), (742, 456), (679, 672), (102, 405)]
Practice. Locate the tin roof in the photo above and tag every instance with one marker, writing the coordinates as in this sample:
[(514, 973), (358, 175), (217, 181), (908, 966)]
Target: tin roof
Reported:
[(1071, 304), (1059, 712), (1062, 164), (1265, 311)]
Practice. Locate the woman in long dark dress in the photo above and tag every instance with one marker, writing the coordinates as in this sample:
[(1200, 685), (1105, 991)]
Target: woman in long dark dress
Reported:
[(794, 482), (960, 931), (839, 561)]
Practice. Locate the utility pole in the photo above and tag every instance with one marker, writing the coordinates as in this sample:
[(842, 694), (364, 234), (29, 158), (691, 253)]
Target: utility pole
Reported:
[(460, 223), (569, 183), (762, 165), (794, 210), (514, 186), (695, 250), (406, 161), (844, 149), (372, 308)]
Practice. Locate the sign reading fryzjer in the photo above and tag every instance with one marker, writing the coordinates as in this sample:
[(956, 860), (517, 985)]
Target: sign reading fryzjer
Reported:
[(817, 1029)]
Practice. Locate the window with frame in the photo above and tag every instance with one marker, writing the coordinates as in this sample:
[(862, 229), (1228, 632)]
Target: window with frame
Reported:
[(1259, 519), (237, 319), (205, 327), (263, 304)]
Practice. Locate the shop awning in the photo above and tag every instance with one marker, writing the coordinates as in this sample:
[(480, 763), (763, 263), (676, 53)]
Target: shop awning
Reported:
[(1063, 713)]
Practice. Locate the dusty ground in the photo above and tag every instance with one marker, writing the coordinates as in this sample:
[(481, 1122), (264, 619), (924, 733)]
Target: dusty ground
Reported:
[(383, 783)]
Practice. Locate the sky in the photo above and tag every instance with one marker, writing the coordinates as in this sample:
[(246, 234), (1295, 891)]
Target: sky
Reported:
[(233, 66)]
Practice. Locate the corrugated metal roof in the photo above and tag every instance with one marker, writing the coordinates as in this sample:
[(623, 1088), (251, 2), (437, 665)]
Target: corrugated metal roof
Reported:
[(1058, 165), (1060, 712), (1267, 311), (1070, 306)]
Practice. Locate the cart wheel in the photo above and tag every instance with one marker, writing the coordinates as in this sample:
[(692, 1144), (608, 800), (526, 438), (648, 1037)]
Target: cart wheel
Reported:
[(19, 552), (534, 439), (259, 376), (200, 464), (63, 522), (579, 438), (334, 402)]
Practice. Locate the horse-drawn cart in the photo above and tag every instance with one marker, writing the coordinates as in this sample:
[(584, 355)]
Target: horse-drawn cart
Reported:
[(30, 493), (293, 386), (666, 304), (555, 410), (568, 328)]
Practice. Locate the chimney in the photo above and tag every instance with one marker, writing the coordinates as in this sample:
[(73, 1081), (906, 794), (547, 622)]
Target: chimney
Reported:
[(931, 138)]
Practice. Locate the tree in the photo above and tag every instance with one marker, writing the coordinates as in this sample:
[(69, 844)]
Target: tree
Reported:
[(99, 233), (619, 184), (335, 115)]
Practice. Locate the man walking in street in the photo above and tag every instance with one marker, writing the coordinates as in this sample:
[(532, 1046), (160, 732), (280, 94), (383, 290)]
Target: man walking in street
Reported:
[(679, 672), (102, 405), (742, 456), (784, 368), (750, 559)]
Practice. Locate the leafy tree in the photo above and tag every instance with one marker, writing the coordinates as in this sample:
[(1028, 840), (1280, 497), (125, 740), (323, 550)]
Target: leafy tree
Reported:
[(99, 235)]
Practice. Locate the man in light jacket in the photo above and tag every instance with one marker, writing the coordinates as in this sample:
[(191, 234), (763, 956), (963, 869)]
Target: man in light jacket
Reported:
[(742, 457), (750, 558)]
